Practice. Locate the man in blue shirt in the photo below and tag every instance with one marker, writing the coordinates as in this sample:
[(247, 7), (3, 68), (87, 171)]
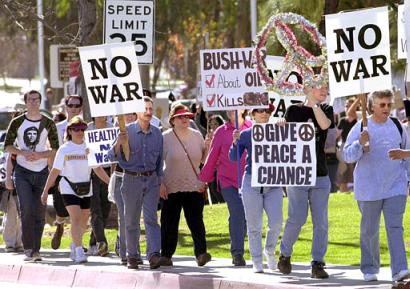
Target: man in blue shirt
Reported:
[(140, 187), (380, 185)]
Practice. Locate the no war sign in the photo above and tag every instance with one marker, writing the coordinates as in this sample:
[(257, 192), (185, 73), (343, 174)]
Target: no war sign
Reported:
[(229, 81), (283, 155), (99, 142), (112, 79), (358, 51)]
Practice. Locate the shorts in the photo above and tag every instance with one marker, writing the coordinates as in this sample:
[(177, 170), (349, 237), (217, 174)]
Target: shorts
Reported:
[(73, 200)]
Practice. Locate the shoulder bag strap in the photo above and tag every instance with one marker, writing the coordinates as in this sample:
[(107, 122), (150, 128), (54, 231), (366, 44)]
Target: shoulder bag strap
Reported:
[(186, 153)]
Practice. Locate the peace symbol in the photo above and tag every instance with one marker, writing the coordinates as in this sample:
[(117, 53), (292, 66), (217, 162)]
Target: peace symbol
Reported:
[(257, 133), (306, 132)]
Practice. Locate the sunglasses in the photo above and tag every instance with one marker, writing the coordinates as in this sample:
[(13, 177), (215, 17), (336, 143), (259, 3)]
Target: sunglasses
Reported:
[(262, 110), (78, 128), (383, 105), (72, 105), (182, 116)]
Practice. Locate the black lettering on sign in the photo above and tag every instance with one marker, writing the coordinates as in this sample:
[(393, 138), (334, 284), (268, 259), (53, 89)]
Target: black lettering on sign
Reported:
[(349, 40), (227, 60), (127, 63), (284, 175), (306, 156)]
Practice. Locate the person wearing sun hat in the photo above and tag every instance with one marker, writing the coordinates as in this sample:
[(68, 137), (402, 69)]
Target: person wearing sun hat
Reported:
[(184, 151), (256, 200), (71, 163)]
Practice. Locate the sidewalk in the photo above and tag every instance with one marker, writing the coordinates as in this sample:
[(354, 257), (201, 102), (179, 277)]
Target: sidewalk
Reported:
[(57, 270)]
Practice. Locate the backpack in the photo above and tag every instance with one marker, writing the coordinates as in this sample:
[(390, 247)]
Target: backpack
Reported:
[(396, 122)]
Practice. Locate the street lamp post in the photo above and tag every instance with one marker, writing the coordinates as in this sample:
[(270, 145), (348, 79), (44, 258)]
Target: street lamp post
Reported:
[(253, 18)]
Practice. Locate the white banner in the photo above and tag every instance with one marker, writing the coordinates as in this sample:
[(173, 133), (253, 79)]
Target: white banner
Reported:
[(358, 47), (229, 81), (112, 79), (99, 142), (283, 155), (281, 103), (131, 21), (401, 34)]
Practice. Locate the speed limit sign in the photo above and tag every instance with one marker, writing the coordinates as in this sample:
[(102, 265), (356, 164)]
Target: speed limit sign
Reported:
[(131, 21)]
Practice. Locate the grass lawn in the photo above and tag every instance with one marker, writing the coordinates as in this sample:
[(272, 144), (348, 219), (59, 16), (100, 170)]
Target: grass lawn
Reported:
[(344, 246)]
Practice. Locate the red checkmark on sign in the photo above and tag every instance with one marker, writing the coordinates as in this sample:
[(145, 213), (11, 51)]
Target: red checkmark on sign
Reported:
[(209, 80), (210, 99)]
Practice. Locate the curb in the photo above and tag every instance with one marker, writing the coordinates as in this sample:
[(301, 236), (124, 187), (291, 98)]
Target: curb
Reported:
[(85, 278)]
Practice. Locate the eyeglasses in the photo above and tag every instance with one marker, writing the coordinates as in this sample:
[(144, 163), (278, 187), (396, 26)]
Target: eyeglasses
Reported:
[(72, 105), (37, 99), (383, 104), (77, 129), (263, 110)]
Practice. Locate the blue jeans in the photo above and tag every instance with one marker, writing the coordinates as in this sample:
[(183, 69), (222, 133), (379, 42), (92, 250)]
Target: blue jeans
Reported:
[(255, 201), (29, 186), (299, 200), (141, 193), (393, 209), (237, 222)]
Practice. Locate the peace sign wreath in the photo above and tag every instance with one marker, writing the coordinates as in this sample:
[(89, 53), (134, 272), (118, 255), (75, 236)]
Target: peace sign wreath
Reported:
[(297, 57)]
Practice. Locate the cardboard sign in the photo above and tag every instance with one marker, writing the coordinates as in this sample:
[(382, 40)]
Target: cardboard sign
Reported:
[(281, 103), (112, 79), (358, 48), (99, 142), (229, 81), (131, 21), (401, 34), (283, 155), (67, 57)]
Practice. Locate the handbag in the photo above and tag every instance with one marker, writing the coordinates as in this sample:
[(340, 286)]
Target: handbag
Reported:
[(80, 189), (190, 161)]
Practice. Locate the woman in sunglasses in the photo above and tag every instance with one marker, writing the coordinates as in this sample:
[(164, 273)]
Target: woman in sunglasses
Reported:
[(71, 163), (258, 199)]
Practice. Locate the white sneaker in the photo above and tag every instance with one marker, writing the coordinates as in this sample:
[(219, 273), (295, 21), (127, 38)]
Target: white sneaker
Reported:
[(92, 251), (72, 252), (272, 263), (257, 268), (403, 274), (80, 257), (368, 277)]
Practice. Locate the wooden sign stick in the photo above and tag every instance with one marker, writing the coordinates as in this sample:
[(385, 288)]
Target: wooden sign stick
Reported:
[(125, 146), (363, 103)]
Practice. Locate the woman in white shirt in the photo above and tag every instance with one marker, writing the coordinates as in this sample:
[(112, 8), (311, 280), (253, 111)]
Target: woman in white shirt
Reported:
[(71, 163)]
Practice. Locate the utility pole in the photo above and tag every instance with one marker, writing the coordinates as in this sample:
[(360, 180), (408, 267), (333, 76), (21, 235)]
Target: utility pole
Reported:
[(40, 39)]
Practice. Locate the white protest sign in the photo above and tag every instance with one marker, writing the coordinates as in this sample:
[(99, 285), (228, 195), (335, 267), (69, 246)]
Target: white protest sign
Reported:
[(281, 103), (283, 155), (112, 79), (401, 34), (99, 142), (358, 46), (131, 21), (229, 82), (407, 31), (3, 163)]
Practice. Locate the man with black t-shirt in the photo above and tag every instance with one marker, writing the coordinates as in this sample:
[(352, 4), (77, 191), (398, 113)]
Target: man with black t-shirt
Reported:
[(300, 198)]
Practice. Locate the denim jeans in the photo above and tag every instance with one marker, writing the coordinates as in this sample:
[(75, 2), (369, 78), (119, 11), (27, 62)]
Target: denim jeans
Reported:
[(255, 201), (29, 186), (100, 209), (300, 199), (237, 222), (393, 209), (141, 193)]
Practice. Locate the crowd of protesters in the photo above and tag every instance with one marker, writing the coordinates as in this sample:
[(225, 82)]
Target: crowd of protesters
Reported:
[(174, 168)]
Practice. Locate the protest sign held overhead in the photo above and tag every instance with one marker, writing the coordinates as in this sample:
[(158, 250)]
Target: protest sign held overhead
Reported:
[(281, 102), (401, 33), (131, 21), (358, 47), (229, 81), (283, 155), (99, 142), (112, 79)]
